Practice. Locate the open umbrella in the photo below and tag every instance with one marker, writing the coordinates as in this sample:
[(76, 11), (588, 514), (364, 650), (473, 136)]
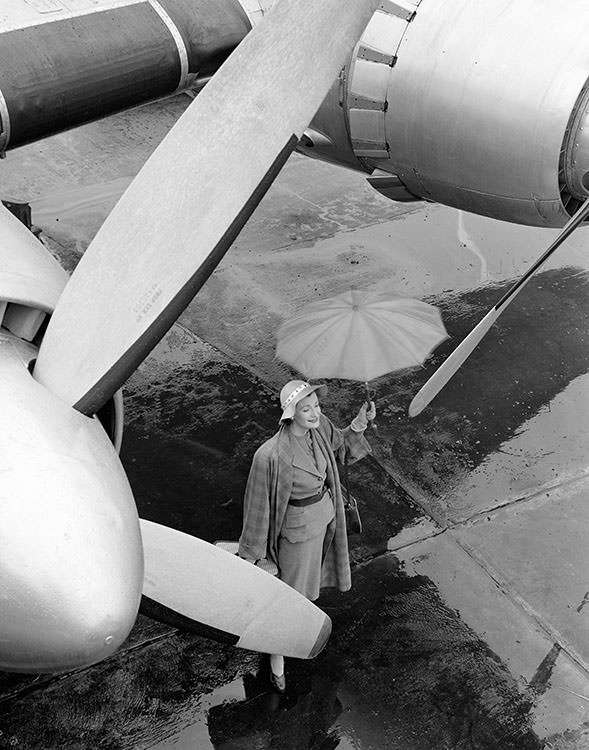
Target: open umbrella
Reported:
[(360, 335)]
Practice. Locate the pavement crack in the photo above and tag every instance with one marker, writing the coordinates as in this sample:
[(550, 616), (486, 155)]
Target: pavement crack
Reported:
[(543, 491)]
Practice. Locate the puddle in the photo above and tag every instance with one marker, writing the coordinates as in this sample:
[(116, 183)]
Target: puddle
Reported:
[(192, 732)]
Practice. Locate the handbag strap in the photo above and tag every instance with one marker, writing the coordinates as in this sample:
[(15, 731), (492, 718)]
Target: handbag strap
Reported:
[(346, 480)]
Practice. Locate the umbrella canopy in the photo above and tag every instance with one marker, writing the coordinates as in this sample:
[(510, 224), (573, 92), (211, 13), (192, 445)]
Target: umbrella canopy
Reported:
[(360, 335)]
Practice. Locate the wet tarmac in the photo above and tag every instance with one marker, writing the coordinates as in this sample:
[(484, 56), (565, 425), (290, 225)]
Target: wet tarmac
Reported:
[(466, 627)]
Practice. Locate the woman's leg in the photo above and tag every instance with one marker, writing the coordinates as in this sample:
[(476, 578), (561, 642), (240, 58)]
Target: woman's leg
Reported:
[(277, 664), (277, 678), (300, 568)]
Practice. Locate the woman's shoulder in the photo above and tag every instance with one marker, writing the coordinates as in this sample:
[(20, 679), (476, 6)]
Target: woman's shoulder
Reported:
[(268, 448)]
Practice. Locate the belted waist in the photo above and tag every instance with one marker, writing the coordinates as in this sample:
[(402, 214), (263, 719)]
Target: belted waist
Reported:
[(302, 501)]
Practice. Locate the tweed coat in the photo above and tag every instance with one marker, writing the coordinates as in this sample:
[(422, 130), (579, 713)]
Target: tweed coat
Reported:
[(269, 488)]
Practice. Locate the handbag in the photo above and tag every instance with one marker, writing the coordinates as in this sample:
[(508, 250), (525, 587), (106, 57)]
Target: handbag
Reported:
[(353, 520)]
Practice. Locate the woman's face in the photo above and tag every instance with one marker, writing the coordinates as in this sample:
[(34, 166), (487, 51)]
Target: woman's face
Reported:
[(307, 412)]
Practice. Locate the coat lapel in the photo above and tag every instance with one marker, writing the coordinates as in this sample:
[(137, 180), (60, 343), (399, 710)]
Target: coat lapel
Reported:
[(303, 460)]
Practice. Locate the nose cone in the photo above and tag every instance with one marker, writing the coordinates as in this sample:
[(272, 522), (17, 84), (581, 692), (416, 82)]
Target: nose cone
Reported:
[(71, 578), (71, 564), (40, 635), (71, 561)]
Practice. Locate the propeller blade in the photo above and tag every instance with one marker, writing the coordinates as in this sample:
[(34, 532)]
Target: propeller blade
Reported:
[(186, 206), (193, 585), (448, 368), (29, 275)]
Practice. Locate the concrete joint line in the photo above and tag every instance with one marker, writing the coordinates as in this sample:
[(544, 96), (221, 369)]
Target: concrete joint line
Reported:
[(538, 494), (413, 494), (418, 540), (553, 634)]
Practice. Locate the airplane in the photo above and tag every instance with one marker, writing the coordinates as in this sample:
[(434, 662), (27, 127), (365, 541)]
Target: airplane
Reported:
[(452, 101)]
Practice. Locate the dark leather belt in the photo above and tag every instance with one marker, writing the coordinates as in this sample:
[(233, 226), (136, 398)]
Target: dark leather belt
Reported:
[(302, 501)]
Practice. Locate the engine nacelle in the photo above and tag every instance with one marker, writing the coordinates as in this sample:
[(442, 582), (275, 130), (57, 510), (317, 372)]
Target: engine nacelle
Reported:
[(71, 559), (78, 61), (482, 106)]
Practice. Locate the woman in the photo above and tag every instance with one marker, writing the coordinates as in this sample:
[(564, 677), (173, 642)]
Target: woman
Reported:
[(293, 506)]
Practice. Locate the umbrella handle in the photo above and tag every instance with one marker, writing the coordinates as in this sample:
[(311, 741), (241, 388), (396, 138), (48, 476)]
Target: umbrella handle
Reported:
[(367, 389), (369, 399)]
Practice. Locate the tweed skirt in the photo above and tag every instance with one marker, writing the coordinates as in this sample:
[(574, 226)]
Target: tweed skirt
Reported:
[(301, 545)]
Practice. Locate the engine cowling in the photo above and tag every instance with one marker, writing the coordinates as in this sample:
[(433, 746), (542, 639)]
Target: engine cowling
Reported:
[(477, 105)]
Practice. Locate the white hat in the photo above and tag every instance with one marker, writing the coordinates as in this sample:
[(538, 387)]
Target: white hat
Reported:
[(293, 392)]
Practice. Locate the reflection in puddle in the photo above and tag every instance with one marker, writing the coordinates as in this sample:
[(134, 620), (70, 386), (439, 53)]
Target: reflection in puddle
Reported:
[(244, 715), (192, 732)]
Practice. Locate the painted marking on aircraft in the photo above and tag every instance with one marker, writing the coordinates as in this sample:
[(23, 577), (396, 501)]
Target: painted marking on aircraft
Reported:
[(177, 36), (147, 301)]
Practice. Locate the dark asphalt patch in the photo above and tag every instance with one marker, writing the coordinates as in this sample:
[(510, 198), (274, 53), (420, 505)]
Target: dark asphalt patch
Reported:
[(538, 346)]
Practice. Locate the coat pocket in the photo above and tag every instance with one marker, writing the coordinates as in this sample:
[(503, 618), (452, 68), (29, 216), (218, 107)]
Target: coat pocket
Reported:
[(301, 524)]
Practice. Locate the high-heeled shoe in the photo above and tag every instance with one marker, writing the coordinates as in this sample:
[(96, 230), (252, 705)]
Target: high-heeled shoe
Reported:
[(278, 682)]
